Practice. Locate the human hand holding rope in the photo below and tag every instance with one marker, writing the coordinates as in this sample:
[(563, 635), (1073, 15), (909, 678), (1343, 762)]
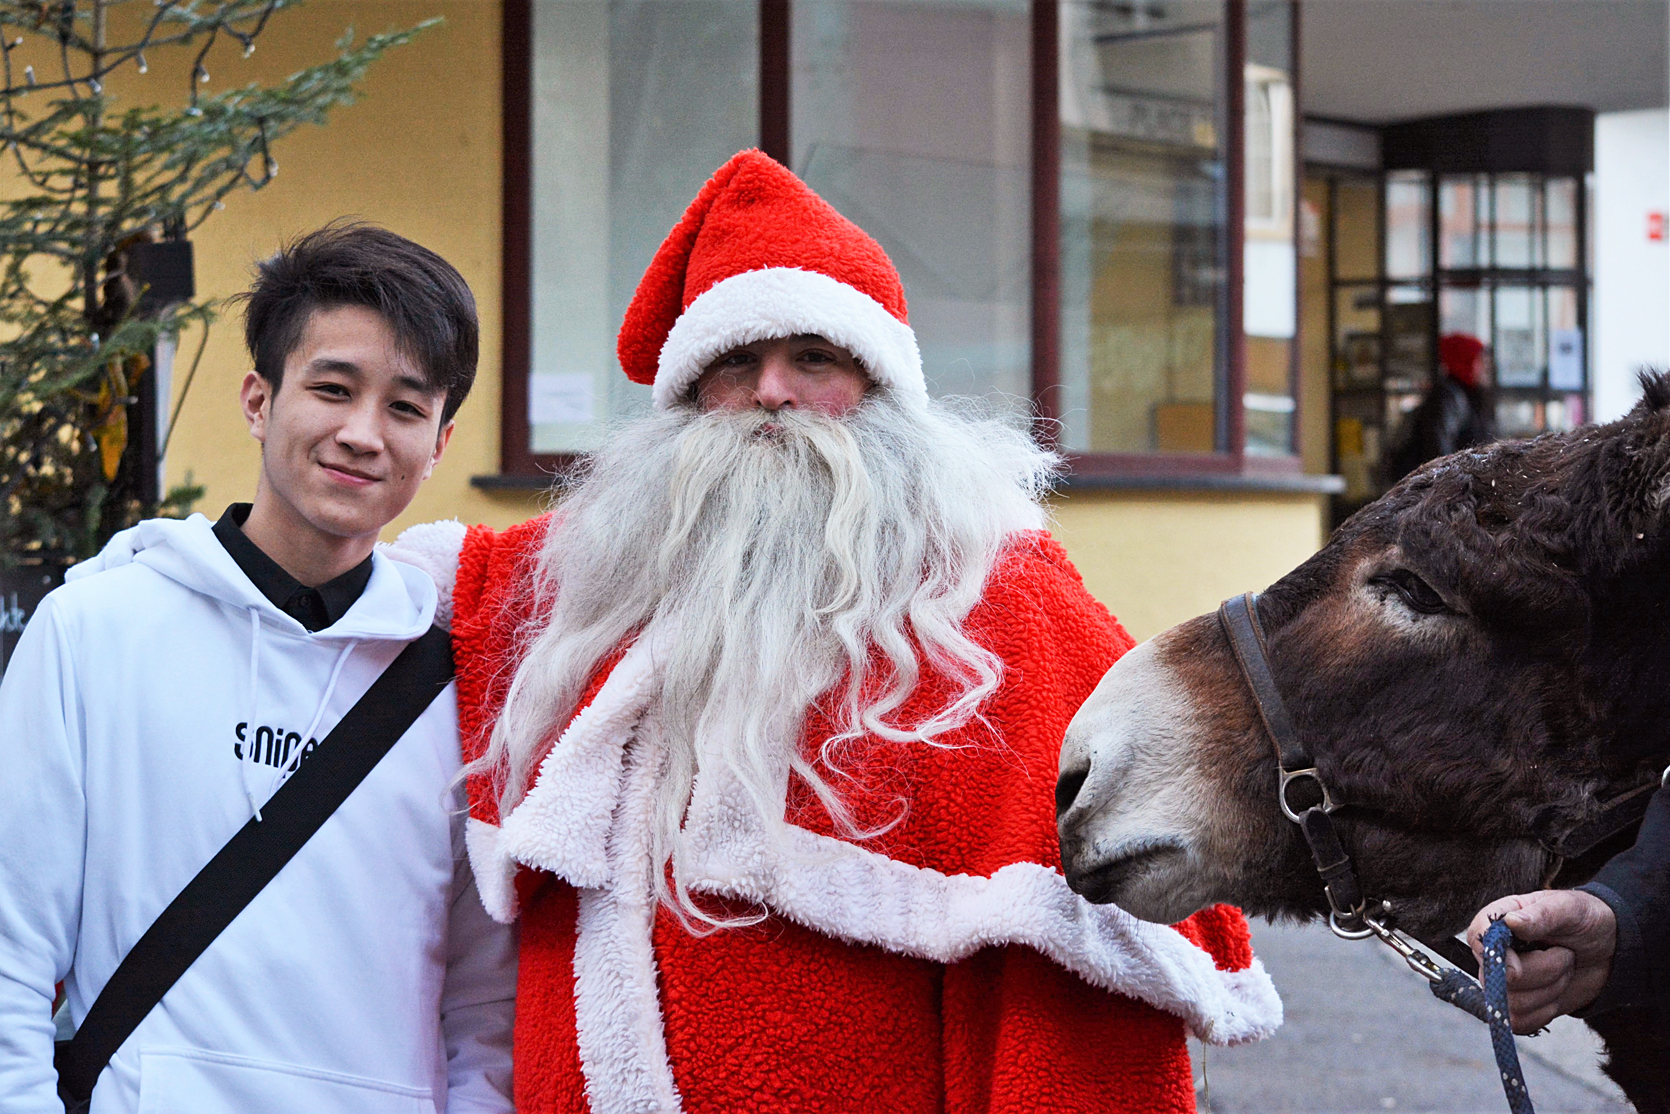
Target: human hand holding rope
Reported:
[(1580, 935)]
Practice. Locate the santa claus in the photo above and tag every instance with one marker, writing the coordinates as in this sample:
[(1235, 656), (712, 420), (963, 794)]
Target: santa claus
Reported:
[(765, 720)]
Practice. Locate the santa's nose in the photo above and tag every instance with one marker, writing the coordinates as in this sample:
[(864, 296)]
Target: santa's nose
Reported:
[(776, 389)]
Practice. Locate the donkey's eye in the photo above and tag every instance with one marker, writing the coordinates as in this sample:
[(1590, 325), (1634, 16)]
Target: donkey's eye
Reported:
[(1417, 593)]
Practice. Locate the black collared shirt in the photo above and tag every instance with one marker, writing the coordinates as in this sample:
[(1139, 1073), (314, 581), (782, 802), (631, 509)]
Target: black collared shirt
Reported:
[(314, 608)]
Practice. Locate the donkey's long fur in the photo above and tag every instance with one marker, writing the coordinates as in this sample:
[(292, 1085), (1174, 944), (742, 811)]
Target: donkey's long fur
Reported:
[(1475, 660)]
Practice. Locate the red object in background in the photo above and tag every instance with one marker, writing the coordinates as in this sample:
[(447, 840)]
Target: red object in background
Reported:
[(1655, 227)]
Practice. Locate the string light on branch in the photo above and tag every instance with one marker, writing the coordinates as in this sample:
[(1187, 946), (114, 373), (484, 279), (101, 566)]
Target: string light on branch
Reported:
[(85, 185)]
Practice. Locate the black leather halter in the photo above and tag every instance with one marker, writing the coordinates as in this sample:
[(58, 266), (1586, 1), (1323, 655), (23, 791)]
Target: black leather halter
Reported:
[(1350, 913)]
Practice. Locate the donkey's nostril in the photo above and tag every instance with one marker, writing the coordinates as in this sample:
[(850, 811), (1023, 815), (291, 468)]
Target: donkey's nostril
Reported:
[(1066, 788)]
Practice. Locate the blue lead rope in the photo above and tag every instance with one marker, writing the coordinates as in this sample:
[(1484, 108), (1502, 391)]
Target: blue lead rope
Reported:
[(1490, 1005), (1495, 977)]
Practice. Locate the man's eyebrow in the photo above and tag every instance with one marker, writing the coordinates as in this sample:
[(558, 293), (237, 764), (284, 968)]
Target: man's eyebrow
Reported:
[(413, 383), (817, 337), (330, 363)]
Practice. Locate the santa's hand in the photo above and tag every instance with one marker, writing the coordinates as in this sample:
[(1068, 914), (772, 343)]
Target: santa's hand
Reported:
[(1580, 935)]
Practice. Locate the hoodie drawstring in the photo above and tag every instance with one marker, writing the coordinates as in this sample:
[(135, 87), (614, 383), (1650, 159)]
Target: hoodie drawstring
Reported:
[(254, 690), (291, 762)]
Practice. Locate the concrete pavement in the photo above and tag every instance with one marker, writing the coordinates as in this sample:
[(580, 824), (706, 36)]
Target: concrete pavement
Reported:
[(1363, 1035)]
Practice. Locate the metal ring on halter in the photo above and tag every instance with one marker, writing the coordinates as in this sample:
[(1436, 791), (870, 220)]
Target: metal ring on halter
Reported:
[(1347, 933), (1290, 776)]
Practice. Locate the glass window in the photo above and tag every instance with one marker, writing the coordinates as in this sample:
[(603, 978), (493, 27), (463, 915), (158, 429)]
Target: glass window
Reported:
[(1408, 239), (912, 117), (1142, 226), (1408, 338), (1560, 214), (1518, 209), (1269, 300), (1520, 349), (1463, 222), (1464, 309), (635, 103), (1357, 339)]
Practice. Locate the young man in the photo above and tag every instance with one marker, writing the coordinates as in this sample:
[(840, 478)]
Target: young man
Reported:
[(769, 713), (158, 700)]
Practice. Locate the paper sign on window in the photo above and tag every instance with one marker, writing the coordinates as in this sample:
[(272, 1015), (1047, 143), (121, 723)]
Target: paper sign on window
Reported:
[(555, 397), (1565, 360)]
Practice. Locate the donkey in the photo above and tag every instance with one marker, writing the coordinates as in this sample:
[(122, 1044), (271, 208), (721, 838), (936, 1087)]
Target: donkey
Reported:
[(1474, 662)]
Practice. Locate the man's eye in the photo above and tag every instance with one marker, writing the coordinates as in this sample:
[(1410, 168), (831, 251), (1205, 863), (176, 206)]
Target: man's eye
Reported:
[(335, 390)]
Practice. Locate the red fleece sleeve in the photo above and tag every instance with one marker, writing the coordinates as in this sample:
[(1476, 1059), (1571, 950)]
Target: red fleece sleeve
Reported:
[(491, 599)]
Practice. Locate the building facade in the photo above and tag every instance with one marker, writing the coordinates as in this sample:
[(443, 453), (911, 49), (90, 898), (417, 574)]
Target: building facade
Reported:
[(1101, 211)]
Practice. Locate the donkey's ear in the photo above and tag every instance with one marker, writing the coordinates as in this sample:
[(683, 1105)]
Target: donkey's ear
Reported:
[(1642, 469), (1655, 392)]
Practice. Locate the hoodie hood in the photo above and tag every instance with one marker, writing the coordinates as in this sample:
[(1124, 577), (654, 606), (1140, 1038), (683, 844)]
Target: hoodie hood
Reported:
[(398, 603)]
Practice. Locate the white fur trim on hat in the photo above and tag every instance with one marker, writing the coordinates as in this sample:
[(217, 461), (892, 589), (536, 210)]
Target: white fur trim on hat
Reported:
[(784, 302)]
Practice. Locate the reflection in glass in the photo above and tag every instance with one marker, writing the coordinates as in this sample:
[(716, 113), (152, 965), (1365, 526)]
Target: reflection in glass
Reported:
[(1269, 302), (1463, 220), (1518, 207), (1560, 214), (635, 103), (1357, 343), (1518, 417), (1520, 348), (1464, 309), (1408, 338), (1142, 226), (1408, 241), (911, 118)]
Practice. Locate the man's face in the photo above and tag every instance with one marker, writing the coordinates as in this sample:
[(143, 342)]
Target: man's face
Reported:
[(802, 372), (352, 430)]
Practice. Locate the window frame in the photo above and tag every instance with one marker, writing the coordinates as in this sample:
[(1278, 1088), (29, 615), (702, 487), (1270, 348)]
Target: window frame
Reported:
[(1228, 466)]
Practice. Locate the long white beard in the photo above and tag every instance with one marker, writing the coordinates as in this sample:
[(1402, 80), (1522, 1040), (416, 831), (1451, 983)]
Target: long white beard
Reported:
[(790, 552)]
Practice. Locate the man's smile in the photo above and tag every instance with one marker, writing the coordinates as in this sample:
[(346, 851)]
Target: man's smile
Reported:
[(342, 473)]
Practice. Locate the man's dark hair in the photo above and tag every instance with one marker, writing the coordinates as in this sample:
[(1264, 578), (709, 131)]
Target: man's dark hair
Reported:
[(347, 263)]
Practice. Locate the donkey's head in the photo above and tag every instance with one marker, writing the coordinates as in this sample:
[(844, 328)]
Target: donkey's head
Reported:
[(1472, 661)]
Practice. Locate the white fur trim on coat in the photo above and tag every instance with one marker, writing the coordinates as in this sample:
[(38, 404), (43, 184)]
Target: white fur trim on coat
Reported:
[(494, 869), (847, 891), (617, 1003), (572, 820), (433, 547), (783, 302), (564, 823)]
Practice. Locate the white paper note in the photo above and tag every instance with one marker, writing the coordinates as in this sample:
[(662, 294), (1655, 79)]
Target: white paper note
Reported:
[(1565, 360), (559, 397)]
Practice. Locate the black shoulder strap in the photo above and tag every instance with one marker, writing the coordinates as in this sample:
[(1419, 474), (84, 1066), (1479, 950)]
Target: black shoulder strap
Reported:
[(252, 858)]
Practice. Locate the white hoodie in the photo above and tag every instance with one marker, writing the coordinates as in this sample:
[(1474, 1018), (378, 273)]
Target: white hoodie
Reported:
[(366, 978)]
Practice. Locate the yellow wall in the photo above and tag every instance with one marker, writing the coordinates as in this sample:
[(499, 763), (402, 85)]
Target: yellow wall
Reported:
[(420, 153), (1157, 558)]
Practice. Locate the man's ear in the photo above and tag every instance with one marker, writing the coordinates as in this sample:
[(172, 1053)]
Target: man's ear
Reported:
[(441, 441), (256, 399)]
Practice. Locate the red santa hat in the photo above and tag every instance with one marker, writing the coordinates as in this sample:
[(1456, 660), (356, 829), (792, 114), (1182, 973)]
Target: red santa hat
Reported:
[(759, 256)]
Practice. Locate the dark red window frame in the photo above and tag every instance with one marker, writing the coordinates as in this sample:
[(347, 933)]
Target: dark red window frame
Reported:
[(525, 468)]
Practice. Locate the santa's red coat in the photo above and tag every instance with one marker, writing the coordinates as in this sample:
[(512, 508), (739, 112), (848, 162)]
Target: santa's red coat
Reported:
[(941, 966)]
